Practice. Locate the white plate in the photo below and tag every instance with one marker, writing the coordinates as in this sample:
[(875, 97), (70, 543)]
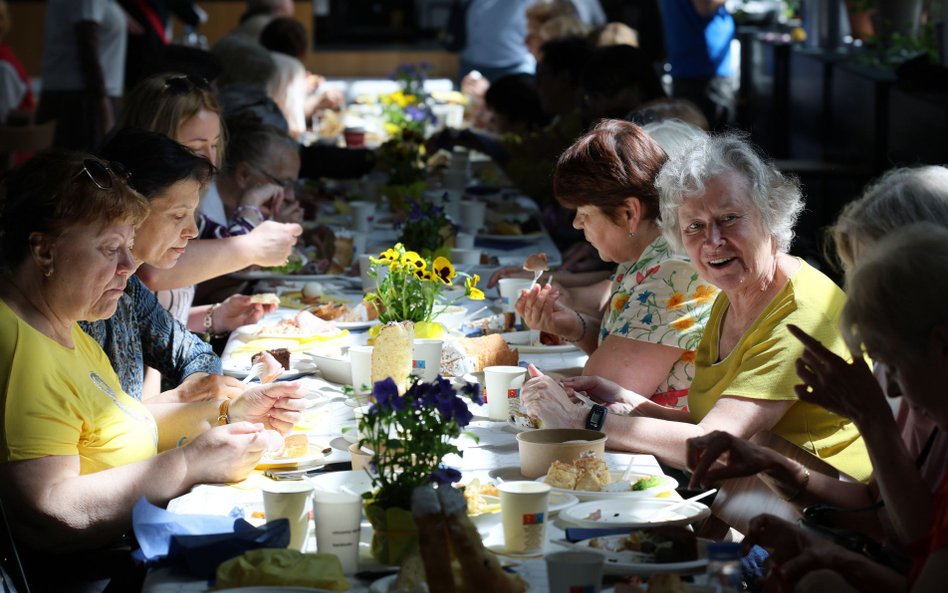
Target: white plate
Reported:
[(356, 324), (666, 484), (507, 473), (626, 564), (633, 513), (315, 454), (520, 340)]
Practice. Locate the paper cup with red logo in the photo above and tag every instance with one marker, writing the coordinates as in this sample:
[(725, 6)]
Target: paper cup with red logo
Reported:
[(502, 389), (426, 358), (355, 137), (523, 512)]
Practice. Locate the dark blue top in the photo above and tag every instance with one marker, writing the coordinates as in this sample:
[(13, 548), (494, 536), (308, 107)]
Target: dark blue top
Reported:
[(697, 47), (141, 333)]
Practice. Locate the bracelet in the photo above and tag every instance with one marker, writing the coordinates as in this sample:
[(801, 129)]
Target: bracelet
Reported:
[(802, 488), (209, 323), (582, 321), (254, 209), (223, 413)]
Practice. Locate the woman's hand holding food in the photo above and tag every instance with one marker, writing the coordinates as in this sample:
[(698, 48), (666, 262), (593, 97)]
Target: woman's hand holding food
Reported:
[(847, 389), (275, 405), (605, 392), (541, 309), (544, 398), (238, 310), (272, 242), (225, 453)]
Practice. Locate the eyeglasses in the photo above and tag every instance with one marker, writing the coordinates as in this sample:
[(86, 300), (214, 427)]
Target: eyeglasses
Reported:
[(101, 174), (182, 85), (286, 184)]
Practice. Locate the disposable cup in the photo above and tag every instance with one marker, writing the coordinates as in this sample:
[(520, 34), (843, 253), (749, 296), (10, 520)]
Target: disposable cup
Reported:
[(464, 241), (338, 517), (510, 289), (289, 500), (523, 512), (502, 390), (360, 358), (574, 570), (355, 137), (359, 241), (426, 358), (365, 265), (363, 213), (466, 257), (471, 214)]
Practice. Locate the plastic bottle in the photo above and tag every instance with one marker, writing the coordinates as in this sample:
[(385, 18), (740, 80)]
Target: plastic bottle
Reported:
[(724, 567)]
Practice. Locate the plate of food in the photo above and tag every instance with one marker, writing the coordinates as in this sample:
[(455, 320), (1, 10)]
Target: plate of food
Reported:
[(666, 549), (302, 325), (521, 341), (236, 362), (521, 421), (598, 485), (297, 450), (634, 513)]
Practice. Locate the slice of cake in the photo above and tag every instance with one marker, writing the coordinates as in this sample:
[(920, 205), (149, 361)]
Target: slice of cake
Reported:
[(282, 356), (391, 354)]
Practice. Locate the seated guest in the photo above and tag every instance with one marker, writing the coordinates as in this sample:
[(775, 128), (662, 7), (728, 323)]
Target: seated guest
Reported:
[(733, 214), (77, 451), (911, 444), (142, 332), (514, 105), (616, 81), (895, 314), (655, 310)]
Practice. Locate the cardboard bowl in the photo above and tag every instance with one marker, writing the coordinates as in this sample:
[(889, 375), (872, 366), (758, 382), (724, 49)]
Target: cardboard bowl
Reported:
[(540, 448)]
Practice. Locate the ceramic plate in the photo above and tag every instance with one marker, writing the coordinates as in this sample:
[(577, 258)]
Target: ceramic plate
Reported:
[(633, 513), (517, 427), (507, 473), (666, 484), (628, 564)]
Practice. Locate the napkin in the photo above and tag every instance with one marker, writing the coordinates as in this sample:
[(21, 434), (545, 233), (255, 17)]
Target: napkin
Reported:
[(282, 568), (199, 543)]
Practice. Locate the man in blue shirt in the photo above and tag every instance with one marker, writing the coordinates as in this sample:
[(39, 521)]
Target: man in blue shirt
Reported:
[(698, 36)]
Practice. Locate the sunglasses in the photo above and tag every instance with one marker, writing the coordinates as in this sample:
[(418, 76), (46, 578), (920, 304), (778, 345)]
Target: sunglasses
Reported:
[(286, 184), (182, 85), (101, 174)]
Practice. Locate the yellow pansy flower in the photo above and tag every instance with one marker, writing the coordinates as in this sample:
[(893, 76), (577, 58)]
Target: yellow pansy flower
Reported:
[(471, 290), (414, 261), (443, 269)]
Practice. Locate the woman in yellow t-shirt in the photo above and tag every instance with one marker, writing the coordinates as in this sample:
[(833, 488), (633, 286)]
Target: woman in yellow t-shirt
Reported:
[(733, 213), (76, 452)]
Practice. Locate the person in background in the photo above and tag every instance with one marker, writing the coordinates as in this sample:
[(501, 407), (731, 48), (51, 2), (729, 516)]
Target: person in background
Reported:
[(698, 35), (559, 28), (538, 14), (639, 339), (617, 80), (733, 213), (670, 108), (495, 33), (83, 70), (514, 105), (77, 451), (258, 15), (614, 34), (15, 91)]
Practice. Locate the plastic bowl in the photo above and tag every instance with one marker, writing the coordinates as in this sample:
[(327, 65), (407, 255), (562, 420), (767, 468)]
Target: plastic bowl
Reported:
[(540, 448), (334, 370)]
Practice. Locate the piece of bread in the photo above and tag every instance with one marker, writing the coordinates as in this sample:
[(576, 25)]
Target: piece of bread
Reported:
[(295, 445), (282, 356), (536, 262), (391, 354), (592, 464), (562, 475), (265, 298), (485, 351), (588, 481)]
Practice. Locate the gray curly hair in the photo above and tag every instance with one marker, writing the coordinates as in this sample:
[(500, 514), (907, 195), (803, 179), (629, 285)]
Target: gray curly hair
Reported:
[(776, 196)]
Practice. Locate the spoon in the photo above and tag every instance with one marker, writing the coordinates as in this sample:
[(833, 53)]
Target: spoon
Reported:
[(674, 507), (255, 371)]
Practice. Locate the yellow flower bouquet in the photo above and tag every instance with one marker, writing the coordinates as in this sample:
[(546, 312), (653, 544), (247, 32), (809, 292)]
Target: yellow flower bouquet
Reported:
[(413, 287)]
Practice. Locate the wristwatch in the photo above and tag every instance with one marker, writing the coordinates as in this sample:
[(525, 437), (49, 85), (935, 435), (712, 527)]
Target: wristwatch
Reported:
[(596, 418)]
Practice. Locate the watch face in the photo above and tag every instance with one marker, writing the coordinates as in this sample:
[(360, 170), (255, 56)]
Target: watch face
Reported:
[(597, 417)]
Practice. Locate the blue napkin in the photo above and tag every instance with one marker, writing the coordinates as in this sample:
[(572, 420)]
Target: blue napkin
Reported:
[(199, 543)]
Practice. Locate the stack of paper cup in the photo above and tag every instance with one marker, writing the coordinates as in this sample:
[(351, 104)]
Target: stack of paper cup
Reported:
[(502, 390), (472, 214)]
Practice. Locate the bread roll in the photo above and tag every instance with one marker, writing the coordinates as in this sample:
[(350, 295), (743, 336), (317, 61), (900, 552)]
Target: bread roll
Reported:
[(471, 355), (391, 355)]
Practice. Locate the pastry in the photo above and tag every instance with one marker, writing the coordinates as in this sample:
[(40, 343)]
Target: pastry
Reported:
[(265, 298), (471, 355), (282, 356), (562, 475), (536, 262), (391, 354)]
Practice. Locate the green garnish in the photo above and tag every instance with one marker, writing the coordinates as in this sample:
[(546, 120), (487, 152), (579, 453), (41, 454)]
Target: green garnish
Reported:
[(646, 483)]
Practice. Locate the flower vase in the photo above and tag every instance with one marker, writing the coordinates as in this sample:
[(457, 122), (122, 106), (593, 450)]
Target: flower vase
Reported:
[(394, 535)]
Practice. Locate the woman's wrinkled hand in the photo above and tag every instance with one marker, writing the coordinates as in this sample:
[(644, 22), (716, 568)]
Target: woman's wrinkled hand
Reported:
[(719, 455), (275, 405), (225, 453), (202, 387), (844, 388), (272, 242), (604, 392), (540, 308), (544, 398), (238, 310)]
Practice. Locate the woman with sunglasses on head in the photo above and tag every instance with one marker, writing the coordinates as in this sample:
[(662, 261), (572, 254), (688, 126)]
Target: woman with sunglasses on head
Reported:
[(76, 451)]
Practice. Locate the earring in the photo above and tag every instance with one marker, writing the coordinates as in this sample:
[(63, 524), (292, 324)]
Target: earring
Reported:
[(631, 235), (48, 273)]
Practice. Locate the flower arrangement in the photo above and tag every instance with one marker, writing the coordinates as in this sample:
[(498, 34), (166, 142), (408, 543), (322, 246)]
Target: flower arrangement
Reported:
[(403, 157), (408, 108), (411, 289), (409, 435), (427, 229)]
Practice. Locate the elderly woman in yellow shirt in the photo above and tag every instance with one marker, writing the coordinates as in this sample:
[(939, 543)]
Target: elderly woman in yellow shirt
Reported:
[(733, 213)]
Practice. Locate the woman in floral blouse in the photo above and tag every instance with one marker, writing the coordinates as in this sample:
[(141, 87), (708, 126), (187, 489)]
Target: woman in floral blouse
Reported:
[(657, 306)]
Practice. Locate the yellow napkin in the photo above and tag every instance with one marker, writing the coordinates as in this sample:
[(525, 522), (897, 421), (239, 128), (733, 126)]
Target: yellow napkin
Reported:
[(272, 566)]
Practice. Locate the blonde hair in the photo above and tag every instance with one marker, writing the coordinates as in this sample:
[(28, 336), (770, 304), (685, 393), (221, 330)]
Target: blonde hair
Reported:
[(563, 26), (162, 103), (900, 197), (615, 34)]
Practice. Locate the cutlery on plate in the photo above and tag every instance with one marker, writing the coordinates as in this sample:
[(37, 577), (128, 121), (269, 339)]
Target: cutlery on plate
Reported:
[(674, 507), (254, 372)]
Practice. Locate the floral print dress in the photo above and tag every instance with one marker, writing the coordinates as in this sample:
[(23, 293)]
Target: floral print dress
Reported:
[(659, 298)]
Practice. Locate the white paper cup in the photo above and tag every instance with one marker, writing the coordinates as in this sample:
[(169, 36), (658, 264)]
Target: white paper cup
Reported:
[(523, 512), (289, 500), (363, 213), (368, 282), (426, 358), (359, 241), (466, 257), (502, 389), (360, 358), (471, 215), (574, 570), (510, 289), (464, 241), (338, 517)]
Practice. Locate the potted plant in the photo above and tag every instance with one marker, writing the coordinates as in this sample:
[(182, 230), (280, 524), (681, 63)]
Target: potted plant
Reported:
[(409, 435)]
